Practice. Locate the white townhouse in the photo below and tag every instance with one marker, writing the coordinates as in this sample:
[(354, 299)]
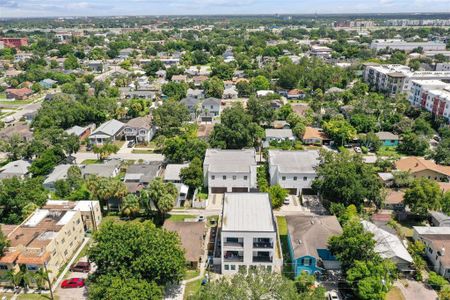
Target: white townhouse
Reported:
[(248, 239), (230, 170), (293, 170)]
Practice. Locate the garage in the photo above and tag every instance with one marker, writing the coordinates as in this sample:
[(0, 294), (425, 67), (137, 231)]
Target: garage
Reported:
[(239, 190), (292, 191), (218, 190)]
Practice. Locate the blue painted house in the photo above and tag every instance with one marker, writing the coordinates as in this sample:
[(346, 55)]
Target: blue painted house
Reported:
[(308, 243), (388, 138)]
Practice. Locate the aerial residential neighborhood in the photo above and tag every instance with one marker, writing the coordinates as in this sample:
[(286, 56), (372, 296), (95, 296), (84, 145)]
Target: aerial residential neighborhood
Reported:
[(231, 153)]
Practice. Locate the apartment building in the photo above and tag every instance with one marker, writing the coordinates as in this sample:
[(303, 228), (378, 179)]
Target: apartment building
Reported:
[(293, 170), (431, 95), (399, 44), (230, 170), (248, 239), (395, 79), (47, 239)]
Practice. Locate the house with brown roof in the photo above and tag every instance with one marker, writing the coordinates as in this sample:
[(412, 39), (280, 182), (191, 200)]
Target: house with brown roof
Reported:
[(295, 94), (18, 94), (47, 237), (314, 136), (423, 168), (20, 129), (394, 199), (192, 235), (140, 129)]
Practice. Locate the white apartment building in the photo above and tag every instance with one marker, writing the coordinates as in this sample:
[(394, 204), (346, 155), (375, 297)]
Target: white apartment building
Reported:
[(230, 170), (442, 67), (293, 170), (431, 95), (321, 51), (395, 79), (249, 233), (399, 44)]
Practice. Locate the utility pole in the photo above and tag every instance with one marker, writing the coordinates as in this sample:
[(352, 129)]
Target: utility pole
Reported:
[(48, 280)]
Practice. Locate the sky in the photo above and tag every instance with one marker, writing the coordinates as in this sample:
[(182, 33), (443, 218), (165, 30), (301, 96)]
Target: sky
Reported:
[(46, 8)]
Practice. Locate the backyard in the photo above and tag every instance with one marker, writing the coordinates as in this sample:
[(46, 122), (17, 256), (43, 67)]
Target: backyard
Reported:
[(283, 232)]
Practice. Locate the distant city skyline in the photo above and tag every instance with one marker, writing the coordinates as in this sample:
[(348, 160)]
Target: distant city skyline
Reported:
[(55, 8)]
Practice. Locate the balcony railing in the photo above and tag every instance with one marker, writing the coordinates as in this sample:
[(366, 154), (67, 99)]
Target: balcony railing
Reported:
[(233, 244), (262, 259), (262, 245), (233, 258)]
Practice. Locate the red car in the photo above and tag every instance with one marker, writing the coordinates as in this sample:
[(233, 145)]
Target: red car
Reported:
[(81, 266), (72, 283)]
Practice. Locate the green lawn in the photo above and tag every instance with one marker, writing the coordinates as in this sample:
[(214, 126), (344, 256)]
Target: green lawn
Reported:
[(91, 161), (388, 151), (192, 288), (142, 151), (180, 218), (283, 232), (35, 297), (191, 274)]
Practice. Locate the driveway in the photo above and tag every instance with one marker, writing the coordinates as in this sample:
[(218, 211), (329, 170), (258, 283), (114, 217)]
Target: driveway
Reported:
[(75, 293), (413, 290), (215, 201), (294, 205)]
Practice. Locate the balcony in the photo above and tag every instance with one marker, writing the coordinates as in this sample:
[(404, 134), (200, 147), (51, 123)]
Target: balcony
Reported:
[(267, 259), (233, 244), (233, 256), (263, 245)]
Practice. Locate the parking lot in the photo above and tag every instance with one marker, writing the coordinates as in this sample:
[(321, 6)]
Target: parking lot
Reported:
[(73, 293)]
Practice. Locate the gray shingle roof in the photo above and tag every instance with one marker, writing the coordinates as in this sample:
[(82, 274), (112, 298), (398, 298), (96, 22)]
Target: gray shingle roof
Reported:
[(279, 133), (217, 160), (111, 128), (294, 161)]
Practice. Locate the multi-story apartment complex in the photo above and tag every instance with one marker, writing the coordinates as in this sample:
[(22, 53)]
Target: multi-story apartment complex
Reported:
[(397, 44), (14, 42), (230, 170), (46, 240), (395, 79), (431, 95), (248, 239)]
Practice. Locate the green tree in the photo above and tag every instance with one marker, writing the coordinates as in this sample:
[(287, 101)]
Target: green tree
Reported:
[(441, 154), (260, 83), (261, 110), (372, 278), (446, 202), (436, 281), (135, 250), (152, 67), (175, 90), (180, 149), (161, 195), (236, 130), (277, 195), (105, 150), (244, 88), (354, 244), (3, 242), (106, 190), (444, 293), (423, 195), (412, 144), (170, 117), (363, 123), (223, 71), (256, 284), (339, 130), (16, 194), (115, 287), (193, 174), (345, 178), (214, 87), (71, 62), (130, 205)]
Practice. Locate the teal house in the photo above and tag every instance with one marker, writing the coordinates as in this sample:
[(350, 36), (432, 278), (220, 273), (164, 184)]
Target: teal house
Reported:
[(47, 83), (308, 243), (388, 138)]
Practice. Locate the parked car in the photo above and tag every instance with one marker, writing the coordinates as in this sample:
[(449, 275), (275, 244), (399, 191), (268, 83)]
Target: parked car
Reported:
[(200, 218), (81, 266), (131, 144), (72, 283), (332, 295)]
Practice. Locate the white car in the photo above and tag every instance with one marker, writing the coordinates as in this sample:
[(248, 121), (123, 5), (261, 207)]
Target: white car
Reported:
[(333, 295)]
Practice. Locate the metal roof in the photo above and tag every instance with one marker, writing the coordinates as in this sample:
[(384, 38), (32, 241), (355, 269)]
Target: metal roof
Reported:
[(294, 161), (229, 161)]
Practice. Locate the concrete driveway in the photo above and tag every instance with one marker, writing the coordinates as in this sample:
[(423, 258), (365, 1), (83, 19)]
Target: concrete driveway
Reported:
[(215, 201), (75, 293), (413, 290)]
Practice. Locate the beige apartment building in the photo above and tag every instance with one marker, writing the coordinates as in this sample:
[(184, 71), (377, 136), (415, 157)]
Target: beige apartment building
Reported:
[(48, 238)]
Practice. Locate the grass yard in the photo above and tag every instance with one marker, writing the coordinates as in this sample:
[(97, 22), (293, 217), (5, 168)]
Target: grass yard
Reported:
[(180, 218), (36, 297), (283, 232), (192, 288), (395, 294), (7, 295), (91, 161), (142, 151), (191, 274), (389, 152)]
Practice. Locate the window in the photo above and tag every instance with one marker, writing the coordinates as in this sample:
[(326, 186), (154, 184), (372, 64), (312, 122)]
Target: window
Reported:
[(245, 177), (243, 268), (305, 178), (227, 267), (32, 268), (54, 253), (295, 178), (233, 267), (3, 267), (306, 261), (234, 177), (213, 177), (224, 177), (283, 178)]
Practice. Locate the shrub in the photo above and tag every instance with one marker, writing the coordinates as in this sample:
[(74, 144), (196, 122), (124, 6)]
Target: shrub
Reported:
[(436, 281)]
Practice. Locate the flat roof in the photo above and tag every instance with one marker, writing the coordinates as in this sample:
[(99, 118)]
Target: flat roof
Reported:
[(247, 212)]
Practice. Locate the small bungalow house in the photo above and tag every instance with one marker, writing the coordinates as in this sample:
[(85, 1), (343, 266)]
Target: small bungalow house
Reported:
[(230, 93), (279, 135), (58, 173), (107, 132), (47, 83), (295, 94), (308, 243), (439, 219), (81, 132), (314, 136), (388, 138), (195, 93), (109, 168), (423, 168), (18, 168), (394, 200), (18, 94)]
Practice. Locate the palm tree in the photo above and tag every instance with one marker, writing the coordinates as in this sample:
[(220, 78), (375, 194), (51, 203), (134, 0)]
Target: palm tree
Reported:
[(41, 278), (130, 205), (14, 277)]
